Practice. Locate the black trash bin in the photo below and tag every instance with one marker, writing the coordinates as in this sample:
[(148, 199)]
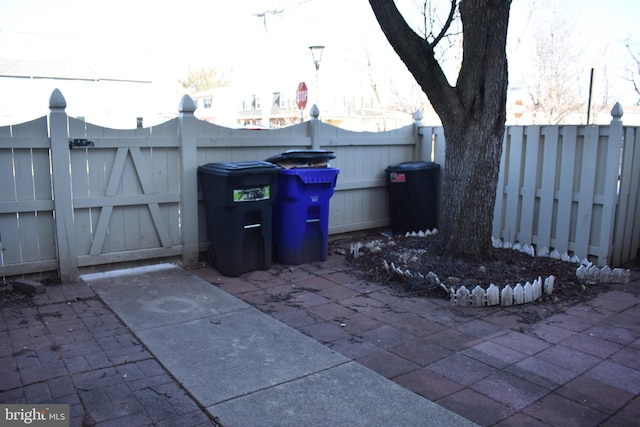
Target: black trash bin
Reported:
[(413, 196), (238, 200)]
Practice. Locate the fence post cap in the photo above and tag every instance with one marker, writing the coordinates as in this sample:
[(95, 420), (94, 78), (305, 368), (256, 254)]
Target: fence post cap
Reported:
[(314, 112), (417, 118), (56, 100), (617, 111), (187, 105)]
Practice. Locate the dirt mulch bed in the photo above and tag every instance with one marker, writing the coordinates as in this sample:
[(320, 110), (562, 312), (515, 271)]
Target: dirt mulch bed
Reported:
[(505, 267)]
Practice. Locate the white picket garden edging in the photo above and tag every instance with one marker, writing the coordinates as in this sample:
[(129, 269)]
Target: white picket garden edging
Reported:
[(493, 295)]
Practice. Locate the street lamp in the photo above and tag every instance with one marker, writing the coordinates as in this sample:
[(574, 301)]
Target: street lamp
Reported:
[(316, 54)]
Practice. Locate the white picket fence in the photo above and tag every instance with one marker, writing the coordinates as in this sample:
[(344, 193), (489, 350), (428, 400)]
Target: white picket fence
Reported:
[(572, 189), (133, 196), (582, 197)]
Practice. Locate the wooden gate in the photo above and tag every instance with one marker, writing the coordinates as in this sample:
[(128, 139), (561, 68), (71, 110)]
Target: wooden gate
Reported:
[(125, 193)]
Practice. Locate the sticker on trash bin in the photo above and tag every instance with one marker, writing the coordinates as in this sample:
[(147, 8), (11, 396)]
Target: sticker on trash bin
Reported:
[(251, 194), (396, 177)]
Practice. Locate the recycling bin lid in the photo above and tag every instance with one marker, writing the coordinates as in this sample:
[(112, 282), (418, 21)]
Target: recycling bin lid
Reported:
[(412, 166), (239, 168), (302, 158)]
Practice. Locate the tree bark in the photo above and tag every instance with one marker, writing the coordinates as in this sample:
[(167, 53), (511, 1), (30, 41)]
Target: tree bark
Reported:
[(473, 115)]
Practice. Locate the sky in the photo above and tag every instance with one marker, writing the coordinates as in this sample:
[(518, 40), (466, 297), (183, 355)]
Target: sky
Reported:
[(167, 37), (161, 40)]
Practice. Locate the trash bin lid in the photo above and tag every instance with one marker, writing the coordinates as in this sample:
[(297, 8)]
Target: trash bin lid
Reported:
[(302, 158), (239, 168), (412, 166)]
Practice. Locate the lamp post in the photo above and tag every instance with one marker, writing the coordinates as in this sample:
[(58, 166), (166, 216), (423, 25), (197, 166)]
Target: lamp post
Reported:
[(316, 54)]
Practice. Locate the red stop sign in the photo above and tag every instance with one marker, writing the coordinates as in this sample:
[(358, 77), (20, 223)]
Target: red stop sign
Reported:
[(301, 96)]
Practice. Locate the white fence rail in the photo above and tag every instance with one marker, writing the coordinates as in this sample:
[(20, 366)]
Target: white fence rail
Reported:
[(133, 194)]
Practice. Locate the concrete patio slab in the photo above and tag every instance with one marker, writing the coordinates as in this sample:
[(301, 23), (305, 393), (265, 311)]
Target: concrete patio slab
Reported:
[(346, 395), (245, 366), (148, 297), (222, 357)]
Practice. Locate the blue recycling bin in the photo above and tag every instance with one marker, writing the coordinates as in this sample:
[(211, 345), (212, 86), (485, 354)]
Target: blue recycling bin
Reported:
[(301, 214)]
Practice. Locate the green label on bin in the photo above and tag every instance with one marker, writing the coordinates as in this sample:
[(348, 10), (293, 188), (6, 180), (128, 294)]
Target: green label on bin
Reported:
[(251, 194)]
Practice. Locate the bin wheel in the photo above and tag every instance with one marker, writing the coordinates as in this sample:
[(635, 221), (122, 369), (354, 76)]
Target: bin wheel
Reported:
[(212, 257)]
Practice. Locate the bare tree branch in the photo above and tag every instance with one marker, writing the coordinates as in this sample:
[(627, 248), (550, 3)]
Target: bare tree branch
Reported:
[(418, 55), (633, 80), (557, 91), (447, 24), (205, 78)]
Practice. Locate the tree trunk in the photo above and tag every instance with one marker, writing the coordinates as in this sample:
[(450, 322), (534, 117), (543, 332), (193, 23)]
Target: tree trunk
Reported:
[(472, 162), (473, 115)]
